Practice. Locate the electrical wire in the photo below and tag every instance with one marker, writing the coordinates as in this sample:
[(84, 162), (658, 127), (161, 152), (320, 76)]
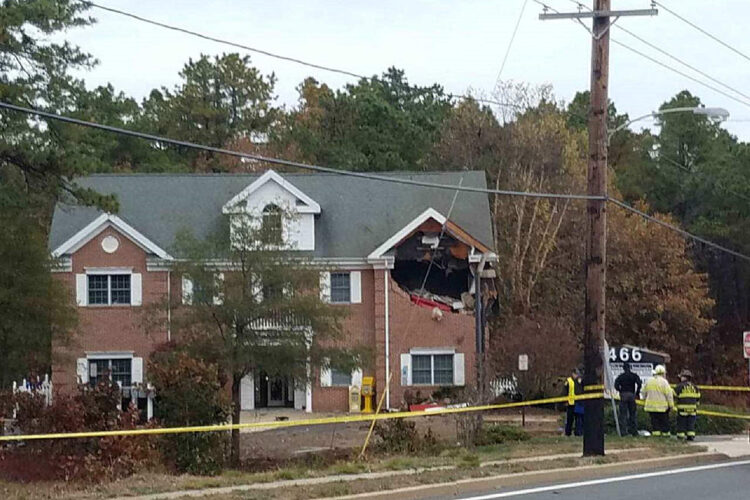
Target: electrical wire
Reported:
[(656, 61), (671, 56), (274, 55), (678, 230), (186, 31), (289, 163), (682, 73), (695, 26), (510, 44)]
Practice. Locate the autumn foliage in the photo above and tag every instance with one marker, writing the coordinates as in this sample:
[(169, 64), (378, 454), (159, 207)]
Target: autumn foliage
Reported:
[(88, 459)]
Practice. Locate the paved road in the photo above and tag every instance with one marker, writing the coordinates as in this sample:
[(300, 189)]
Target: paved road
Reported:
[(725, 481)]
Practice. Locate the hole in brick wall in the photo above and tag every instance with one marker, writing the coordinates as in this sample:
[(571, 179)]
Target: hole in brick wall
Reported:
[(449, 280)]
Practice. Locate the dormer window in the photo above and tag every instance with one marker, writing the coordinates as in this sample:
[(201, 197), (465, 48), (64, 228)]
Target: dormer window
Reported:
[(274, 207), (272, 224)]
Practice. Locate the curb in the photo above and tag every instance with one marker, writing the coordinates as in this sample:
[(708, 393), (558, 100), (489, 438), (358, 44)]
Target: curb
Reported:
[(521, 479), (345, 478)]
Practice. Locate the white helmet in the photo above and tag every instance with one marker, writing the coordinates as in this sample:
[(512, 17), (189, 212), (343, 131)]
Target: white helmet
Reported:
[(660, 370)]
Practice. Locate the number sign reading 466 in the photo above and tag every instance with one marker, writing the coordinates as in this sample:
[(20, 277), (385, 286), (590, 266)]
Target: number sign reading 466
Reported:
[(625, 354)]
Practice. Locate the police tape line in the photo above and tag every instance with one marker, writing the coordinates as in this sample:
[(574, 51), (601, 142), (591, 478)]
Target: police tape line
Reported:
[(710, 413), (707, 413), (733, 388), (296, 423)]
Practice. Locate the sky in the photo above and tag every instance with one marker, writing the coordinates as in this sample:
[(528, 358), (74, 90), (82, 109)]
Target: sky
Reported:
[(459, 44)]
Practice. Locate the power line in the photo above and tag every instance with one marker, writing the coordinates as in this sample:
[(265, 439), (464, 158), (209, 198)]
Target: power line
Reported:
[(361, 175), (274, 55), (682, 73), (713, 37), (671, 56), (289, 163), (300, 61), (676, 229), (656, 61), (510, 44)]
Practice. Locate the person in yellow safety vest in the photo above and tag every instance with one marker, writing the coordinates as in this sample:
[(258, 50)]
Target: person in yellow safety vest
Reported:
[(574, 411), (688, 397), (659, 399)]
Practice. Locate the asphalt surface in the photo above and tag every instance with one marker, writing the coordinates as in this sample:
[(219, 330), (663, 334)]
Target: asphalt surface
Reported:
[(725, 481)]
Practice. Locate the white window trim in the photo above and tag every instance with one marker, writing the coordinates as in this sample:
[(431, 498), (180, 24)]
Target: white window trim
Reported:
[(432, 350), (109, 354), (108, 270)]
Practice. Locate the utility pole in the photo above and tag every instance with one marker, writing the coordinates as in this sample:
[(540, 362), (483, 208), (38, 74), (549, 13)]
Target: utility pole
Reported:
[(596, 247)]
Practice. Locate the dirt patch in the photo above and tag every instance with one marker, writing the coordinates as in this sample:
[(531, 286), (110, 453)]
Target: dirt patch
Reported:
[(283, 444)]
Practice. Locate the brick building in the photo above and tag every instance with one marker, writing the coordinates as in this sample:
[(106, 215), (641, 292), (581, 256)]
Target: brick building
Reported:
[(373, 242)]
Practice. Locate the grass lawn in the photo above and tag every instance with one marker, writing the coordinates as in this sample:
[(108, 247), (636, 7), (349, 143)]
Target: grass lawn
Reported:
[(466, 464)]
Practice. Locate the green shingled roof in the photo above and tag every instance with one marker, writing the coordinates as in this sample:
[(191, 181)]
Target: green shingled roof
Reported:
[(357, 215)]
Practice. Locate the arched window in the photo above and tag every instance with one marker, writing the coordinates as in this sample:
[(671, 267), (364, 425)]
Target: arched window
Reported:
[(272, 224)]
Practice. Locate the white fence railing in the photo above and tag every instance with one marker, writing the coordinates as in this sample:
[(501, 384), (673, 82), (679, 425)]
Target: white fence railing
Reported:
[(504, 386), (38, 386)]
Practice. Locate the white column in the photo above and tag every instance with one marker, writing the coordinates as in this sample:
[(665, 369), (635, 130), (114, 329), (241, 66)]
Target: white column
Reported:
[(386, 272), (308, 390), (247, 392)]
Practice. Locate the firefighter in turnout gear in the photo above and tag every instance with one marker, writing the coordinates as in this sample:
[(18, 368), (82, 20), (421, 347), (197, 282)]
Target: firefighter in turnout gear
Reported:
[(688, 397), (659, 399)]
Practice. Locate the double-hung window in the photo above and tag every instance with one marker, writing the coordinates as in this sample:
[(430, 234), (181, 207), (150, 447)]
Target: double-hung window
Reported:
[(118, 370), (340, 378), (341, 288), (107, 289), (432, 369)]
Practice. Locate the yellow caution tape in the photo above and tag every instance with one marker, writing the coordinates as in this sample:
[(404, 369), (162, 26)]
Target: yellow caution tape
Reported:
[(294, 423), (724, 388), (708, 413), (701, 387), (725, 415)]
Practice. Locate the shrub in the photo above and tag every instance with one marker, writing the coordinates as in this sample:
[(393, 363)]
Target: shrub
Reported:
[(89, 409), (189, 393), (469, 428), (496, 434), (397, 436), (705, 425), (401, 436)]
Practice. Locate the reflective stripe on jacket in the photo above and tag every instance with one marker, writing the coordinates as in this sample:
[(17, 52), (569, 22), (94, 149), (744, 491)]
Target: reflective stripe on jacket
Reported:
[(688, 396), (658, 395), (574, 388)]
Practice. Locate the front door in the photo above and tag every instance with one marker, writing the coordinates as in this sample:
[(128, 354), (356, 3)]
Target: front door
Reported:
[(276, 390)]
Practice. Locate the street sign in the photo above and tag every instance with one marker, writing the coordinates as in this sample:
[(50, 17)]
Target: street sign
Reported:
[(523, 362), (746, 343), (642, 361)]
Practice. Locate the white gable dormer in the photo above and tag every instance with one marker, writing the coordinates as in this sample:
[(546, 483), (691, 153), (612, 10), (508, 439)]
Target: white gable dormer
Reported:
[(269, 193)]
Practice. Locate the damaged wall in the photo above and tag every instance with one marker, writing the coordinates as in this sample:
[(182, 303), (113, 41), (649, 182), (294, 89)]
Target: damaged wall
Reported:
[(413, 326)]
